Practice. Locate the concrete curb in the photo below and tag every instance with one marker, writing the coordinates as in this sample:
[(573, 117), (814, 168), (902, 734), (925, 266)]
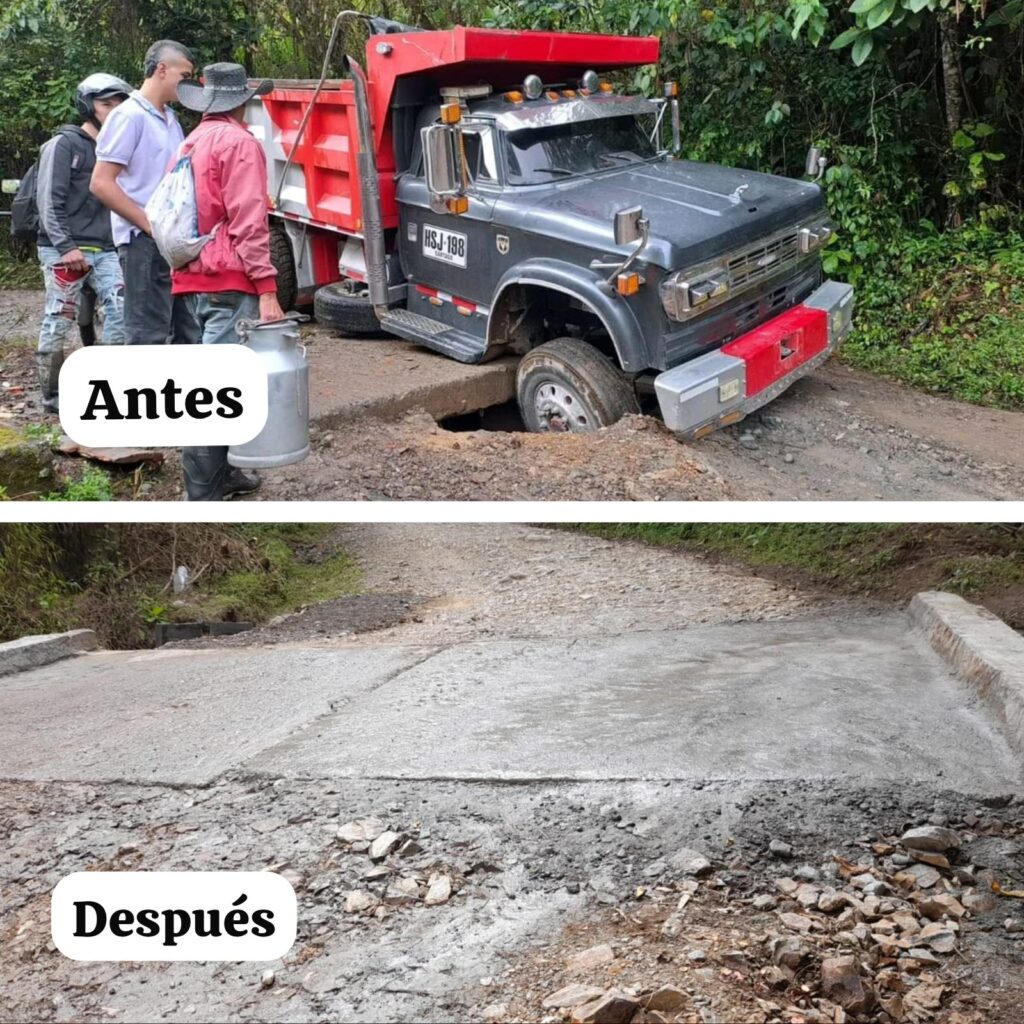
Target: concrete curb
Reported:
[(34, 651), (981, 649)]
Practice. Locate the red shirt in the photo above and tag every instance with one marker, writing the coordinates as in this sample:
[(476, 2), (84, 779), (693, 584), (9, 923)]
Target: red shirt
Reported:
[(230, 172)]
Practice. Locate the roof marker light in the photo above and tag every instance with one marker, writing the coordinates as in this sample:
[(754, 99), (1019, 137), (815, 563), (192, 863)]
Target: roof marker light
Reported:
[(533, 87), (514, 97), (607, 87)]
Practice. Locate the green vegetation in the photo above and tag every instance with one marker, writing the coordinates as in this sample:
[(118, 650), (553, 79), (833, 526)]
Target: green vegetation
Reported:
[(281, 581), (94, 484), (115, 578), (895, 560), (917, 104)]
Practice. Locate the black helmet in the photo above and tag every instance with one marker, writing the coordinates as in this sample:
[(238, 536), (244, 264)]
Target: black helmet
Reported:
[(98, 87)]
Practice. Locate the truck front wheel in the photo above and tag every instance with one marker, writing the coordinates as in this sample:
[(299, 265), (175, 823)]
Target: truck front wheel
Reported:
[(566, 385), (343, 309)]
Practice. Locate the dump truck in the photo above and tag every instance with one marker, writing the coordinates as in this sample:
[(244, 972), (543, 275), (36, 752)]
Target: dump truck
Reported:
[(484, 192)]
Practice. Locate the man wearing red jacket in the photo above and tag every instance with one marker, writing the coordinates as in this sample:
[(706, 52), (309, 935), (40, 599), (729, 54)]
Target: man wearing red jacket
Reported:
[(232, 279)]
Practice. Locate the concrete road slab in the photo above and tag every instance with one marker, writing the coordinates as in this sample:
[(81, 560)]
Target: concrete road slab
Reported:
[(174, 716), (862, 698), (387, 377)]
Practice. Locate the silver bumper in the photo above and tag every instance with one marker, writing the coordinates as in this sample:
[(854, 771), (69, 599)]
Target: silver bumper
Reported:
[(711, 391)]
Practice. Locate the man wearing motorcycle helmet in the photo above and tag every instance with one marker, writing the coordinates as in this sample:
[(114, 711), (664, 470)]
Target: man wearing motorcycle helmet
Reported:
[(75, 242)]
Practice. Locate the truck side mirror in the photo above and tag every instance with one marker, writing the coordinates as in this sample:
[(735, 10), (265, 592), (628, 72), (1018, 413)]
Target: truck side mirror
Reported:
[(627, 225), (443, 163), (815, 164)]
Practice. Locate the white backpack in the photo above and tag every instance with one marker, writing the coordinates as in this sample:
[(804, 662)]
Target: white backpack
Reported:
[(174, 215)]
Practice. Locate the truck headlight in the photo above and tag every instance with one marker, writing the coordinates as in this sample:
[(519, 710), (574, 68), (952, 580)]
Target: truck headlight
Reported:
[(684, 293)]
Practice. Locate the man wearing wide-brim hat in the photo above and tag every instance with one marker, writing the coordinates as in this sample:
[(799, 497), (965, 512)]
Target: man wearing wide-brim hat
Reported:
[(232, 278)]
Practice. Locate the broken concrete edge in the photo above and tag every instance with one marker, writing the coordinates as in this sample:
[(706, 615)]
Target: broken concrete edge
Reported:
[(494, 385), (982, 649), (30, 652)]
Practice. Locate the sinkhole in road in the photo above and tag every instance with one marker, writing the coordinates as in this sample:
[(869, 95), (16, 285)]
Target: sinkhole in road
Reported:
[(504, 419)]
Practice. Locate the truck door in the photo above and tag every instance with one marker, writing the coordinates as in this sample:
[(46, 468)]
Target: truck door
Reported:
[(453, 254)]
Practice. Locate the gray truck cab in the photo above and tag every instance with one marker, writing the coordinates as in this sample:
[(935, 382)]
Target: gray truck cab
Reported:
[(557, 228)]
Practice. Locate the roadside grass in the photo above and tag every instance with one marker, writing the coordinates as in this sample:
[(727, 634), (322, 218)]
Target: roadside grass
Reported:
[(18, 273), (116, 578), (982, 562), (948, 317), (281, 582)]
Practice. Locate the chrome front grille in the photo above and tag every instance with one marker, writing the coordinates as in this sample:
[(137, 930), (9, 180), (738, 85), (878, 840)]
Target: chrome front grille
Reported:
[(764, 259)]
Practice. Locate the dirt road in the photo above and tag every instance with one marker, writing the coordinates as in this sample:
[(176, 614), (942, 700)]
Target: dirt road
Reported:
[(839, 434), (583, 745)]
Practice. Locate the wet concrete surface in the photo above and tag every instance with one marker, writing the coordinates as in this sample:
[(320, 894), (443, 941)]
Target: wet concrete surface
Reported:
[(173, 716), (819, 698), (861, 698)]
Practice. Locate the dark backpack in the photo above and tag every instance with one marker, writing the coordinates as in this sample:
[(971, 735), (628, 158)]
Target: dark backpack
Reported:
[(24, 211)]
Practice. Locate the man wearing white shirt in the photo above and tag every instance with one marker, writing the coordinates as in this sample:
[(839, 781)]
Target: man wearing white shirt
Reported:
[(133, 151)]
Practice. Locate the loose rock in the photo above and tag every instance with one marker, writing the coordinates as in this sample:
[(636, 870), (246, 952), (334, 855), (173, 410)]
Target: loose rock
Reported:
[(613, 1007), (691, 862), (571, 995), (593, 957), (384, 844), (841, 982), (363, 830), (439, 890), (932, 838)]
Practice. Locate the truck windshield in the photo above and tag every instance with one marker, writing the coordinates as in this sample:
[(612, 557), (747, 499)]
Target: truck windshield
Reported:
[(538, 155)]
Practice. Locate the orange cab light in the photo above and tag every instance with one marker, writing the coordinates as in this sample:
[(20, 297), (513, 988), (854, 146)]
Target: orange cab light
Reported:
[(730, 418), (700, 432), (628, 284), (671, 89), (451, 113), (606, 87), (460, 204), (514, 97), (569, 94), (552, 95)]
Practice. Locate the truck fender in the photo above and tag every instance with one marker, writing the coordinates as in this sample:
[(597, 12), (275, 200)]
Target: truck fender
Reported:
[(587, 287)]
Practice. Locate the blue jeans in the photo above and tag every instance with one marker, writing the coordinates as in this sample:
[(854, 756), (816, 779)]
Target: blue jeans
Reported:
[(63, 297), (63, 289), (217, 313)]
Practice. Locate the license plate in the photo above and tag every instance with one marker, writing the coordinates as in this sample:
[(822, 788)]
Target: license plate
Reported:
[(444, 245)]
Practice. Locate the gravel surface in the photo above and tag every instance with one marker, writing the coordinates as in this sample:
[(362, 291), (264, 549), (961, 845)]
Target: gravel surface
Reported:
[(839, 434), (523, 581)]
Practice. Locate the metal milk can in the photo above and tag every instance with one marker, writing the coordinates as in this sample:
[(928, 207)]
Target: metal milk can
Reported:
[(284, 438)]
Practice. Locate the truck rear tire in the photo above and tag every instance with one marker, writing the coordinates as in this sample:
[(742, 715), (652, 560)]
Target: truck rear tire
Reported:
[(335, 306), (283, 260), (567, 385)]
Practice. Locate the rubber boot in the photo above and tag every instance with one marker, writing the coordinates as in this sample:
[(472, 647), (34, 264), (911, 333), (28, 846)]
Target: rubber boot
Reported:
[(237, 482), (48, 366), (206, 469)]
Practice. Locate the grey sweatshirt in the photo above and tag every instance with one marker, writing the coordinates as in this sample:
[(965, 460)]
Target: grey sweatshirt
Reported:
[(70, 216)]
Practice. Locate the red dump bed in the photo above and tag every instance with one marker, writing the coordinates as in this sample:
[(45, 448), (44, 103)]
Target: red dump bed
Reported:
[(322, 184)]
